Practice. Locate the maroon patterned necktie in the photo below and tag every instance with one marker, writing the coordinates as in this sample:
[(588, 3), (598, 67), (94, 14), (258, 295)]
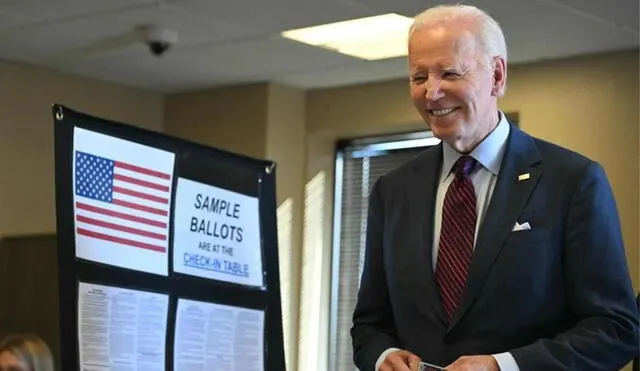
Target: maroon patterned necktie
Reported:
[(456, 236)]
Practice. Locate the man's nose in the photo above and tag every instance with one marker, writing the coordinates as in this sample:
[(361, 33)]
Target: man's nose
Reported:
[(433, 91)]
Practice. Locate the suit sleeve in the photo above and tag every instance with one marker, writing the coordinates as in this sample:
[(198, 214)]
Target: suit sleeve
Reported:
[(373, 328), (604, 335)]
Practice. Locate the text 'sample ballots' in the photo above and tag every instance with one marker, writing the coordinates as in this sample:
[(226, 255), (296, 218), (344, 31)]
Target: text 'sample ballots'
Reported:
[(217, 234)]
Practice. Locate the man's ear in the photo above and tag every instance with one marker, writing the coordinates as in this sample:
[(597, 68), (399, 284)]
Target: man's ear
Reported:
[(499, 69)]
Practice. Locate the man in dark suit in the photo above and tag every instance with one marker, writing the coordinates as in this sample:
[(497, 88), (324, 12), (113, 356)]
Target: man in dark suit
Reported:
[(493, 250)]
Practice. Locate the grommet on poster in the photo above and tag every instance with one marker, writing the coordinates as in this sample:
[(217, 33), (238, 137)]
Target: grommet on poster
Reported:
[(59, 114), (269, 168)]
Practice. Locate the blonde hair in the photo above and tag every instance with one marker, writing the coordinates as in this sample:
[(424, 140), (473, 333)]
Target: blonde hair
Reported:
[(29, 349), (485, 29)]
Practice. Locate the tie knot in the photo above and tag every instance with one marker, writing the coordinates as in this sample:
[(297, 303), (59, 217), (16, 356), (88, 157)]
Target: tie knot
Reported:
[(464, 166)]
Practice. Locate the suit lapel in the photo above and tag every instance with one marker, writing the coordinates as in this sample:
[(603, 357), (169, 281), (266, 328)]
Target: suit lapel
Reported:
[(509, 198), (422, 196)]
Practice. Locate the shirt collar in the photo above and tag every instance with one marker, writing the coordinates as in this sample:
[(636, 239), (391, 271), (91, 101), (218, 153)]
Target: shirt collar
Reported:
[(488, 153)]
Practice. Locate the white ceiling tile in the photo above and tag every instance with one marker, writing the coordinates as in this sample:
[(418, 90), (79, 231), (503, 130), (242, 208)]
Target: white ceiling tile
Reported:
[(8, 19), (368, 72), (160, 74), (254, 60), (251, 61), (408, 8), (274, 16), (261, 56), (623, 13), (34, 11), (42, 42), (547, 32)]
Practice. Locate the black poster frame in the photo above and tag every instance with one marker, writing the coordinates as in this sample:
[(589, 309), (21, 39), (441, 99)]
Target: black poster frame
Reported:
[(241, 174)]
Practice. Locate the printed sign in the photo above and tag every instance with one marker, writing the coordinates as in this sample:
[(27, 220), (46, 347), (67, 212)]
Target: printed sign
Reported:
[(217, 234)]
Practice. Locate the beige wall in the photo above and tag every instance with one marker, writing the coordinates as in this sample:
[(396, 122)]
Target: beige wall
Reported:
[(27, 201), (285, 143), (231, 118)]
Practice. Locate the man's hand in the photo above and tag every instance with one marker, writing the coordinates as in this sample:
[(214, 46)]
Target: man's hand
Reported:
[(400, 360), (474, 363)]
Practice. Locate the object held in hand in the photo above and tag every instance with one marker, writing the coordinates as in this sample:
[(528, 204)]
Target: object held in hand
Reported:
[(424, 366)]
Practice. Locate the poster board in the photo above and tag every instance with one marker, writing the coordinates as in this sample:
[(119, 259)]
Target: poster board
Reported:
[(148, 223)]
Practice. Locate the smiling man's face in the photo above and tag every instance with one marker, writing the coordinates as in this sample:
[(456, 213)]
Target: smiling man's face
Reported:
[(455, 94)]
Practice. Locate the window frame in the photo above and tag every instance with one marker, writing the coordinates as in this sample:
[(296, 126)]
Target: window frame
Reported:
[(360, 147)]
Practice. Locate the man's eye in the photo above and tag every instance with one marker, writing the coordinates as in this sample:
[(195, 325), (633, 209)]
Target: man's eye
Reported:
[(418, 79), (450, 75)]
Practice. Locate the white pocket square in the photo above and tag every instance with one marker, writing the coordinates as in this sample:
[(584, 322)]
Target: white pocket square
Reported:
[(521, 227)]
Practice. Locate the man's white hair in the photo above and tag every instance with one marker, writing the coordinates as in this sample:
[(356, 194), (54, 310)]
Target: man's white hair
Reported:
[(482, 26)]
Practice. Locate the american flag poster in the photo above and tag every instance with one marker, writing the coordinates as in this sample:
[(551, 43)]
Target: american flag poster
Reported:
[(122, 202)]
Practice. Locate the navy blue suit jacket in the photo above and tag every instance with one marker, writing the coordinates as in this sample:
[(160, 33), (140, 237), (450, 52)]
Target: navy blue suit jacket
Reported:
[(558, 296)]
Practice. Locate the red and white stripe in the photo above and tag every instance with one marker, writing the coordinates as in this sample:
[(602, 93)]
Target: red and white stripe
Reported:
[(138, 215)]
